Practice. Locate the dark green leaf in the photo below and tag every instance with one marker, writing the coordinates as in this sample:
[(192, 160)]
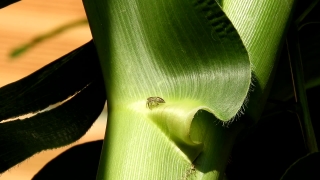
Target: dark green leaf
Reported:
[(20, 139), (4, 3), (53, 83), (78, 162), (76, 74)]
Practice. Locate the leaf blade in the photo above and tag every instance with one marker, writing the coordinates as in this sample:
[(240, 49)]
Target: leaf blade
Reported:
[(53, 83), (20, 139)]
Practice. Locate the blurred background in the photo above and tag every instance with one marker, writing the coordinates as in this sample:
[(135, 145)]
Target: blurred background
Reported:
[(21, 23)]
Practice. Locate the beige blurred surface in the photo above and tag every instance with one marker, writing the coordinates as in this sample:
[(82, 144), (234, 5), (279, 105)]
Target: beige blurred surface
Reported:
[(21, 22)]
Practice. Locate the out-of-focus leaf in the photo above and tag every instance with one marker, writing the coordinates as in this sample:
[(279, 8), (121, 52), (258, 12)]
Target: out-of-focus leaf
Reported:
[(23, 48), (20, 139), (4, 3), (78, 162), (53, 83), (76, 74)]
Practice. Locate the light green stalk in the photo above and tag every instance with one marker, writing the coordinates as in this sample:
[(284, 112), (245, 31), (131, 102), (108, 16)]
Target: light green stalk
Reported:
[(189, 54)]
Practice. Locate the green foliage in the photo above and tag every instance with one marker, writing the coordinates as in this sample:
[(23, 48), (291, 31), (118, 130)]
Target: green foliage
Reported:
[(154, 50), (76, 75), (198, 56)]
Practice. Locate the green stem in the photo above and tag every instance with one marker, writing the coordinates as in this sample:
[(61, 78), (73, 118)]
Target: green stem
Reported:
[(299, 89)]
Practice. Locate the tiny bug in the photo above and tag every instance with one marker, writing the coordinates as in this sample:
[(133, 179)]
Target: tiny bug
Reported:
[(154, 101)]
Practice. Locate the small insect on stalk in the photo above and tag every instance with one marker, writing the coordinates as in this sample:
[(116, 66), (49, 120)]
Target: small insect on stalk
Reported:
[(153, 102)]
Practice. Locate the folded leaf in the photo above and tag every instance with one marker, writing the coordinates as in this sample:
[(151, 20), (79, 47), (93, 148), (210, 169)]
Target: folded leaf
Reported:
[(177, 58)]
